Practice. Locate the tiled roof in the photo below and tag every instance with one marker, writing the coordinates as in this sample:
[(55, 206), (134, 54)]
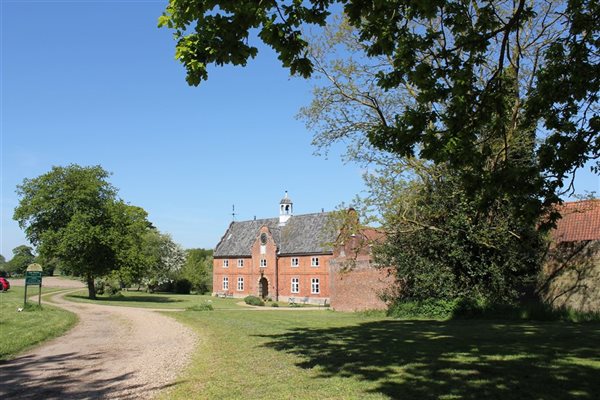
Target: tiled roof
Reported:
[(580, 221), (302, 234)]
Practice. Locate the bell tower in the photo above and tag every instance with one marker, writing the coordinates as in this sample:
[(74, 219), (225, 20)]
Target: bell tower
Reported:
[(286, 207)]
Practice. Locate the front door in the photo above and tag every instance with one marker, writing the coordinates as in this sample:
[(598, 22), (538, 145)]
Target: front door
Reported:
[(263, 288)]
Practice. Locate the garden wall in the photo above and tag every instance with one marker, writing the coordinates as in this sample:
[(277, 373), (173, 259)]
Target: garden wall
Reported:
[(571, 276)]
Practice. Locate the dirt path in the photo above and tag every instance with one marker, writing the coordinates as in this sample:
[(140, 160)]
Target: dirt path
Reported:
[(112, 353)]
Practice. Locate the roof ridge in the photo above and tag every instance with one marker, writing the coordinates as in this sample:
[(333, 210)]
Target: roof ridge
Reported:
[(293, 216)]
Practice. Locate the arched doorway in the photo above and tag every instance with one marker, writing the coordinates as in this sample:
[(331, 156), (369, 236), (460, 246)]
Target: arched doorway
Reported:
[(263, 288)]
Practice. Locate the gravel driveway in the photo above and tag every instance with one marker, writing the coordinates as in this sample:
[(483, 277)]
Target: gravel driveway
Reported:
[(112, 353)]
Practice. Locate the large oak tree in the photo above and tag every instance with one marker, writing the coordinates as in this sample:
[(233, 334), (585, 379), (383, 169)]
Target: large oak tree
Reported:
[(73, 214)]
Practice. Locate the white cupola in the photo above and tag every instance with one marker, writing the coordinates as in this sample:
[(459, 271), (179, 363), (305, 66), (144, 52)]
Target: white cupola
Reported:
[(286, 208)]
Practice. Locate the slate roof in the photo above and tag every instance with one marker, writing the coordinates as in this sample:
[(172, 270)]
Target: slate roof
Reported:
[(580, 221), (302, 234)]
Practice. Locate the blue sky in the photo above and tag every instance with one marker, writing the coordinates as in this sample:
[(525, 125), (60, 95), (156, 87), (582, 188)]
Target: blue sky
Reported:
[(96, 82)]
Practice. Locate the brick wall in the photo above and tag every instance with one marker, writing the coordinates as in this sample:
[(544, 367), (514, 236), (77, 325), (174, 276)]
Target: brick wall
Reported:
[(359, 287), (571, 276), (304, 272), (232, 272)]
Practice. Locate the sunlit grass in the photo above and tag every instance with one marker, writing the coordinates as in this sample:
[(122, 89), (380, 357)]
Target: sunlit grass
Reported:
[(329, 355), (21, 330), (156, 300)]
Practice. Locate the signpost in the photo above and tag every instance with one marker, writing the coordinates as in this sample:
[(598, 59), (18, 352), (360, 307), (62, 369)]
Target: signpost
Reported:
[(33, 276)]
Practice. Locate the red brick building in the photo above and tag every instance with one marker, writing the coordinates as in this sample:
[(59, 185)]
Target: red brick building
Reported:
[(292, 257)]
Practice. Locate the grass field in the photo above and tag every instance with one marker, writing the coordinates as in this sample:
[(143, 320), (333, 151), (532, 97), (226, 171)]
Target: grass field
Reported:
[(155, 300), (21, 330), (330, 355), (164, 300)]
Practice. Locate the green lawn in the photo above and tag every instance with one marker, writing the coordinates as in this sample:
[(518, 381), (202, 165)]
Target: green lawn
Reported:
[(156, 300), (21, 330), (330, 355), (166, 300)]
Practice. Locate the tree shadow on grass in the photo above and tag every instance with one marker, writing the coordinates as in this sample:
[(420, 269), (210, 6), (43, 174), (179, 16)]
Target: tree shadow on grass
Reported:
[(132, 299), (454, 359)]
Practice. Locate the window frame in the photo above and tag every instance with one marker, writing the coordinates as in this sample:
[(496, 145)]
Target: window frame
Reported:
[(297, 262), (225, 283), (295, 284), (315, 283), (225, 263), (263, 263), (240, 284), (314, 261), (240, 263)]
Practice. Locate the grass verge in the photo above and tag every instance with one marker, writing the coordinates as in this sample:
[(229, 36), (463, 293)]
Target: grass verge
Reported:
[(21, 330), (329, 355), (156, 300)]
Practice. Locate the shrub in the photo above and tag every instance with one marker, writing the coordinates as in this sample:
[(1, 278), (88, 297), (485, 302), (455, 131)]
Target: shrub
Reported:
[(182, 286), (100, 285), (107, 286), (525, 310), (424, 309), (204, 306), (112, 290), (254, 301), (274, 304)]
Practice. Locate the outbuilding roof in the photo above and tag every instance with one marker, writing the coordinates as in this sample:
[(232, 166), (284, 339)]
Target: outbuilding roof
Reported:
[(302, 234), (580, 221)]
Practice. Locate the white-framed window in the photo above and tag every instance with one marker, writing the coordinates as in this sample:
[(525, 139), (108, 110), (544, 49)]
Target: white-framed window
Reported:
[(225, 283), (314, 286), (314, 262), (295, 285), (295, 261), (263, 262), (225, 263), (240, 286), (240, 262)]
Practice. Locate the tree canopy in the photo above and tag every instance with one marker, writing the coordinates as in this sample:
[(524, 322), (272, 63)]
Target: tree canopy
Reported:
[(73, 214), (504, 93), (22, 257), (198, 269)]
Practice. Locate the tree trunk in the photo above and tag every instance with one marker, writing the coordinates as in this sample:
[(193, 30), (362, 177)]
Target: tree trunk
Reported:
[(91, 287)]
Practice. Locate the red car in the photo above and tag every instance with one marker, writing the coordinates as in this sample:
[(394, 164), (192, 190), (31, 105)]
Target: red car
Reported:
[(4, 284)]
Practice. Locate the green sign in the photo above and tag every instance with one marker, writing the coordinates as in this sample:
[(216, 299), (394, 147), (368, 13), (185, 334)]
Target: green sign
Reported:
[(33, 278)]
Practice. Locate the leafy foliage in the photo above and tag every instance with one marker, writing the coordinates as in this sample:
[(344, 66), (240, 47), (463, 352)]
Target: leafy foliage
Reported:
[(479, 74), (182, 286), (22, 257), (163, 260), (73, 214), (202, 306), (444, 248), (198, 269), (254, 301)]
